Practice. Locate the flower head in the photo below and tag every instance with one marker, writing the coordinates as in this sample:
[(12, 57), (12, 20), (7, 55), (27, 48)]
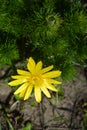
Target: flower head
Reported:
[(37, 78)]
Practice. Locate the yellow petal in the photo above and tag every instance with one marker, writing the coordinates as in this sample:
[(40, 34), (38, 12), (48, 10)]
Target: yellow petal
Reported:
[(37, 94), (16, 82), (21, 88), (22, 94), (38, 66), (51, 87), (52, 74), (19, 77), (28, 92), (45, 91), (46, 69), (53, 81), (23, 72), (31, 65)]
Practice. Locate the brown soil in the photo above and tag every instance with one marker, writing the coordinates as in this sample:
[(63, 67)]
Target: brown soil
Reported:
[(51, 114)]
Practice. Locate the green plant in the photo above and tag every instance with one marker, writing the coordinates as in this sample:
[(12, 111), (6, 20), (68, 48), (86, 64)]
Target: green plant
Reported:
[(54, 32), (28, 126)]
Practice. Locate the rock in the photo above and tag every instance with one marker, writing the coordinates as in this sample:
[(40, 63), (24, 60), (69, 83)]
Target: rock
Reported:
[(5, 91)]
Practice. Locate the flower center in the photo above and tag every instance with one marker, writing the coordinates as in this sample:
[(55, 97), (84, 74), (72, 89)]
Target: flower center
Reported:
[(36, 80)]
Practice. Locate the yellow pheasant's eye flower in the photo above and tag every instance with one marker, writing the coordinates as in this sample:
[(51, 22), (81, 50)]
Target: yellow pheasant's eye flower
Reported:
[(37, 78)]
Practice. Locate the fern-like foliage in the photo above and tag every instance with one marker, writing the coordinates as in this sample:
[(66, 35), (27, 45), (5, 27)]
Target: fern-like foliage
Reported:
[(8, 53), (53, 31)]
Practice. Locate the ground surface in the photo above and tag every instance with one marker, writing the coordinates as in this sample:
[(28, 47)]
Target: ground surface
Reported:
[(51, 114)]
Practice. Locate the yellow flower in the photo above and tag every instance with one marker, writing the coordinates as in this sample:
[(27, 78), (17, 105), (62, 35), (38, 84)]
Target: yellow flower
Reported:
[(35, 78)]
